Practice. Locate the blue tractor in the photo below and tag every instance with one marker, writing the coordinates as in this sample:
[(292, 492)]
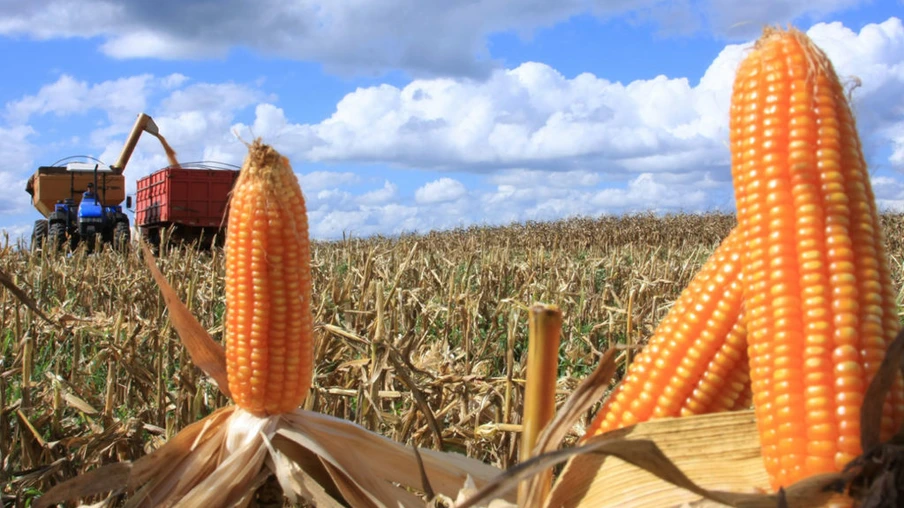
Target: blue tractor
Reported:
[(88, 221)]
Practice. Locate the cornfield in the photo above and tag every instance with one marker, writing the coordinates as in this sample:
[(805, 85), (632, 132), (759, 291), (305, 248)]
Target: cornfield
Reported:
[(421, 338)]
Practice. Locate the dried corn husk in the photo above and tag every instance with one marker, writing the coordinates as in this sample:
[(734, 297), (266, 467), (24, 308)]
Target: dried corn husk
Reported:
[(717, 452)]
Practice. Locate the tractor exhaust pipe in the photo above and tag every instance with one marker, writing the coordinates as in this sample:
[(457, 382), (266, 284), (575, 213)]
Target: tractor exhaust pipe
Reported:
[(142, 123)]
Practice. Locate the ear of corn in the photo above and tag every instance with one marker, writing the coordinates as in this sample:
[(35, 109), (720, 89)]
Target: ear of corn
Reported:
[(696, 360), (819, 302), (268, 287)]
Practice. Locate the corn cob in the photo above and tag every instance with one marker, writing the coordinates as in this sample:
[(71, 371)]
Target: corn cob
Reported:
[(696, 360), (268, 287), (818, 296)]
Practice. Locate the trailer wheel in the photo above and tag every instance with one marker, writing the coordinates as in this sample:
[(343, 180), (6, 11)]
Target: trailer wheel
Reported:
[(121, 236), (56, 234), (39, 234)]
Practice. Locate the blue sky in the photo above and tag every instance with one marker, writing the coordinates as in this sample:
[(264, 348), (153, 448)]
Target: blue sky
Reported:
[(411, 115)]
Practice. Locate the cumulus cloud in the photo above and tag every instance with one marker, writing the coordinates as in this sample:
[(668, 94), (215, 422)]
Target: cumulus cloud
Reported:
[(530, 116), (68, 96), (440, 191), (440, 37), (16, 148), (15, 199), (17, 154), (555, 147), (533, 117), (195, 117), (534, 199), (382, 196), (335, 212)]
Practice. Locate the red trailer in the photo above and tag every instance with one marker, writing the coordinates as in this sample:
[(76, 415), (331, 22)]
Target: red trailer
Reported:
[(191, 200)]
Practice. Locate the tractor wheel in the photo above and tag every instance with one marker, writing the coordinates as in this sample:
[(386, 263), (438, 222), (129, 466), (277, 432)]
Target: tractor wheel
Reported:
[(39, 234), (121, 236), (56, 234)]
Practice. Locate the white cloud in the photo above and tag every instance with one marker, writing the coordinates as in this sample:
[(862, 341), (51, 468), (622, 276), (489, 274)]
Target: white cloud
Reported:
[(174, 80), (530, 116), (439, 38), (897, 156), (195, 118), (318, 180), (534, 118), (69, 96), (380, 196), (646, 193), (16, 150), (440, 191), (15, 199), (149, 43), (363, 221), (17, 153), (332, 199), (210, 97), (533, 199)]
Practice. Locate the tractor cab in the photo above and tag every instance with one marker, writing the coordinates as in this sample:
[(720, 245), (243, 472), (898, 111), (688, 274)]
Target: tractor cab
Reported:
[(91, 213)]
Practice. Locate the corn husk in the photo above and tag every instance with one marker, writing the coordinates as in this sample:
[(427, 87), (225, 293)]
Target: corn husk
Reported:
[(716, 452)]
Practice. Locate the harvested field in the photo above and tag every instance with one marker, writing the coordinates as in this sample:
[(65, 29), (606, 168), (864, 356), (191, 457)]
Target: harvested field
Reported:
[(112, 381)]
